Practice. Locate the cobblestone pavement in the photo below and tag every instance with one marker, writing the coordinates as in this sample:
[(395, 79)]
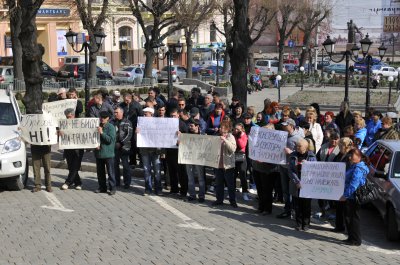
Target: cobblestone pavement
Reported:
[(81, 227)]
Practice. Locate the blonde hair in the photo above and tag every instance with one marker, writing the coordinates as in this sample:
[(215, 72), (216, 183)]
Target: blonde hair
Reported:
[(297, 111), (360, 122), (357, 115), (313, 114), (346, 142)]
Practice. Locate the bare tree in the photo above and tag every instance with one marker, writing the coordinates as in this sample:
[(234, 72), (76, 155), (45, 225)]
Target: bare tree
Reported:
[(190, 14), (315, 12), (154, 26), (93, 23), (289, 15)]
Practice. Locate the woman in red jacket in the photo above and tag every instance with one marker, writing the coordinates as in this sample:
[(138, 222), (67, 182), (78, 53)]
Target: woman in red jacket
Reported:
[(240, 158)]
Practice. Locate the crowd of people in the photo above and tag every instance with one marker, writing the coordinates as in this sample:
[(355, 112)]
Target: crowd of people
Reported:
[(311, 137)]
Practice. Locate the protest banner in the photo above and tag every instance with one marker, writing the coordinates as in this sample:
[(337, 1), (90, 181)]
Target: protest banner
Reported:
[(322, 180), (195, 149), (267, 145), (57, 108), (157, 132), (79, 133), (39, 129)]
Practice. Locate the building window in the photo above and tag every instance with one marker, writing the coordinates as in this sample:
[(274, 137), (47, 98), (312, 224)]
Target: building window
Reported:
[(125, 44)]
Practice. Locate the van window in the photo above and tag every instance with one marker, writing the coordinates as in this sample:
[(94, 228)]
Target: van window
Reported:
[(138, 71), (274, 64), (262, 63), (105, 61)]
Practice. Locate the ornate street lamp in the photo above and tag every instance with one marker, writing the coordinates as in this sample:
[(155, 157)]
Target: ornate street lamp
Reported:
[(217, 51), (390, 79), (73, 41), (302, 77), (279, 78)]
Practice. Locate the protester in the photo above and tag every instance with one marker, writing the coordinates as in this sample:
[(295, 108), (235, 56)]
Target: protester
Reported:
[(299, 117), (41, 155), (215, 120), (207, 108), (355, 177), (329, 123), (240, 158), (237, 115), (105, 154), (194, 128), (225, 171), (302, 206), (259, 120), (182, 104), (373, 126), (122, 147), (345, 145), (274, 113), (61, 93), (320, 117), (151, 162), (100, 105), (116, 99), (195, 114), (73, 94), (293, 138), (315, 129), (308, 135), (387, 131), (360, 132), (74, 160), (344, 118), (152, 97), (196, 99)]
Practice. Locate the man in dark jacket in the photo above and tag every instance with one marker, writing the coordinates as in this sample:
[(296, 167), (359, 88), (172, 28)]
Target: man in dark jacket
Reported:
[(100, 105), (196, 100), (72, 94), (105, 154), (122, 147)]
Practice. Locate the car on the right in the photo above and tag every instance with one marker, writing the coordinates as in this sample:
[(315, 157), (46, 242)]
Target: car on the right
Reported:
[(384, 171), (385, 71), (178, 73)]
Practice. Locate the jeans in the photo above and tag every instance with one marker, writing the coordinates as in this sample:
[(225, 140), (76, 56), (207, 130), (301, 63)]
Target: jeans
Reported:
[(221, 176), (126, 170), (151, 160), (101, 165), (240, 171), (74, 160), (285, 188), (190, 169)]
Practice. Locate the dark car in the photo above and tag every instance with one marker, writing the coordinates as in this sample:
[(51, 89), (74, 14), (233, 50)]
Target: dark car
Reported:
[(361, 65), (77, 72), (211, 70), (48, 73), (290, 67)]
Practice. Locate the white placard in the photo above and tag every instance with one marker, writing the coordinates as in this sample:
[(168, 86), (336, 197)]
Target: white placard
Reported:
[(322, 180), (266, 145), (157, 132), (57, 108), (195, 149), (39, 129), (79, 133)]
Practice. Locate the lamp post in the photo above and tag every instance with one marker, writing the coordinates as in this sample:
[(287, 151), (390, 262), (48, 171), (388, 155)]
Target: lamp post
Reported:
[(217, 51), (302, 77), (278, 78), (72, 40), (398, 79), (352, 54), (163, 52), (390, 79)]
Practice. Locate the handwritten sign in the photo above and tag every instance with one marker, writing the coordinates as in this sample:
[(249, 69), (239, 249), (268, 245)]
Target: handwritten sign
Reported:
[(39, 129), (79, 133), (267, 145), (322, 180), (57, 108), (204, 150), (157, 132)]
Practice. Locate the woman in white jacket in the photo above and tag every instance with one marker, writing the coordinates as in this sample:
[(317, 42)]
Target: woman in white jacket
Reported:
[(315, 129), (226, 169)]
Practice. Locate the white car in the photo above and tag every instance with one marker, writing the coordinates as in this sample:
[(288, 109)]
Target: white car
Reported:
[(128, 74), (13, 158), (386, 71)]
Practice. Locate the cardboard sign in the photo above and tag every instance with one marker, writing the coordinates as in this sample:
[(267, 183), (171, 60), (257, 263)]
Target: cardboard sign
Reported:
[(267, 145), (39, 129), (322, 180), (57, 108), (201, 150), (79, 133), (157, 132)]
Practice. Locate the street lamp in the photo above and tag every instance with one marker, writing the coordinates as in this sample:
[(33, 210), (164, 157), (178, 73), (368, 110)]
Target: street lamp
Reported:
[(390, 79), (278, 78), (163, 52), (217, 51), (73, 41), (398, 79), (352, 54), (302, 76)]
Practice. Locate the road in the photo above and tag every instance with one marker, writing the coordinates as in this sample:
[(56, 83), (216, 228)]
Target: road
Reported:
[(81, 227)]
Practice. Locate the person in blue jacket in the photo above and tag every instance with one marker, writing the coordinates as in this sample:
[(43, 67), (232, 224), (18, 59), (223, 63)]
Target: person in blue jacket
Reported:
[(355, 177), (373, 126), (360, 132)]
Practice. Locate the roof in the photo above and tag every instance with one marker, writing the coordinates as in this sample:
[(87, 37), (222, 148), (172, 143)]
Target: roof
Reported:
[(392, 144)]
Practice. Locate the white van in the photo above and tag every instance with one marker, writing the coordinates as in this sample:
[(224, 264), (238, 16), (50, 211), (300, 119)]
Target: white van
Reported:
[(102, 61), (267, 67)]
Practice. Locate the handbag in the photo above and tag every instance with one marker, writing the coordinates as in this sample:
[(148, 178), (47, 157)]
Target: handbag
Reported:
[(240, 157), (367, 193)]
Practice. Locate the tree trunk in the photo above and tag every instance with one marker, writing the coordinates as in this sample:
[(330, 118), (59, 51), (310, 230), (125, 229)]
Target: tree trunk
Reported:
[(306, 41), (251, 63), (31, 61), (15, 27), (227, 62), (149, 53), (280, 50), (189, 53), (92, 57), (240, 50)]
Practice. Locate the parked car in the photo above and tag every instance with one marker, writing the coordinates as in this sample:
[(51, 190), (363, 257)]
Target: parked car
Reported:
[(48, 73), (128, 74), (212, 70), (290, 67), (361, 65), (386, 71), (6, 75), (13, 157), (338, 68), (77, 72), (178, 72), (384, 170), (267, 67), (101, 61)]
